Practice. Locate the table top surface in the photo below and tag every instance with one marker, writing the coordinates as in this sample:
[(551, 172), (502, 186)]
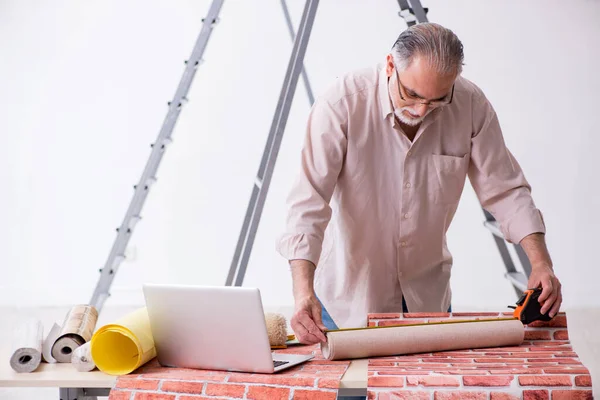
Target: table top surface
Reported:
[(53, 375), (65, 375)]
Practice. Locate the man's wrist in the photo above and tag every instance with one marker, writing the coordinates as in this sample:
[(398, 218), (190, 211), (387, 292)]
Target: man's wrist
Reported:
[(302, 294), (302, 278), (534, 246), (541, 265)]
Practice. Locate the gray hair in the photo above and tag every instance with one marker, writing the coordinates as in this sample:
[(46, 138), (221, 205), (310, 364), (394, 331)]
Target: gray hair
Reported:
[(440, 47)]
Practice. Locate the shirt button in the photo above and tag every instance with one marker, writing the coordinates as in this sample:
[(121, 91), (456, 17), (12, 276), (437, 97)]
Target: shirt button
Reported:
[(407, 184), (409, 153), (403, 244), (406, 216)]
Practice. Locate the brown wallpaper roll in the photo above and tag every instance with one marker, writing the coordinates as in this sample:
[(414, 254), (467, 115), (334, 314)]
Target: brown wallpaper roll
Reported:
[(77, 329), (398, 340)]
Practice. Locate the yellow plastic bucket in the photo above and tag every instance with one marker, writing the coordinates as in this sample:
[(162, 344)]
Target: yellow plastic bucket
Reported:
[(125, 345)]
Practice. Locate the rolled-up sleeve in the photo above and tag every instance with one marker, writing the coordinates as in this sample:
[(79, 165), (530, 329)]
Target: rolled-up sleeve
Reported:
[(498, 179), (322, 158)]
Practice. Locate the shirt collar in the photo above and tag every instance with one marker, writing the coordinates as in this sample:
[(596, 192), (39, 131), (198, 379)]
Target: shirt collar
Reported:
[(384, 95)]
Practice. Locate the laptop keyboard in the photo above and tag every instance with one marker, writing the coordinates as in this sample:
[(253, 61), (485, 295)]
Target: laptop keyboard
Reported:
[(278, 363)]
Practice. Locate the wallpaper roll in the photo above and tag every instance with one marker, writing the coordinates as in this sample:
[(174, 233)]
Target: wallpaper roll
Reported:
[(82, 358), (51, 338), (411, 339), (77, 329), (125, 345), (26, 354)]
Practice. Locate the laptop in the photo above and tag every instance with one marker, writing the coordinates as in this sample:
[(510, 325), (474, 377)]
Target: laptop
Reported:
[(213, 327)]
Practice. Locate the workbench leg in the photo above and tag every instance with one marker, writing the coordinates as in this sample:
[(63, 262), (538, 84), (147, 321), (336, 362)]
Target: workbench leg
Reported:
[(77, 394), (351, 394), (68, 393)]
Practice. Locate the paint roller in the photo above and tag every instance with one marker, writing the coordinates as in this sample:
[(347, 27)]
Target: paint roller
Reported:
[(277, 330)]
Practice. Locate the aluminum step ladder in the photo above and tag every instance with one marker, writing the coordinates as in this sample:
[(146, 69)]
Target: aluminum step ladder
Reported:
[(133, 216), (260, 188)]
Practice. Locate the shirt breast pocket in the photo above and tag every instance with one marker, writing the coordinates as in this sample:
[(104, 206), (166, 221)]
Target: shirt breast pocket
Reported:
[(450, 174)]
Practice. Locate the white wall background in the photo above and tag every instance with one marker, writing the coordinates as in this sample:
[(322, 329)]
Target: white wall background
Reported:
[(83, 92)]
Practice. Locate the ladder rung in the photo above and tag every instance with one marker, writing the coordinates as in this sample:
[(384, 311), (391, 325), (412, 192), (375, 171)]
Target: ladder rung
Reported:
[(134, 220), (167, 141), (493, 227), (196, 63), (518, 279), (150, 181), (118, 260), (258, 182)]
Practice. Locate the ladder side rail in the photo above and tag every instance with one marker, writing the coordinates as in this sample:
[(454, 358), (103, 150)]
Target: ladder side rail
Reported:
[(246, 240), (288, 20), (251, 208), (148, 177)]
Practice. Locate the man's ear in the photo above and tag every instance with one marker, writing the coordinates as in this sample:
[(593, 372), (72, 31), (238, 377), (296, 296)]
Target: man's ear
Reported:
[(389, 65)]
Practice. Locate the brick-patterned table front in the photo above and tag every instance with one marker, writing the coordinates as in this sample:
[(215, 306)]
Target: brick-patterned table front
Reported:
[(543, 367), (317, 379)]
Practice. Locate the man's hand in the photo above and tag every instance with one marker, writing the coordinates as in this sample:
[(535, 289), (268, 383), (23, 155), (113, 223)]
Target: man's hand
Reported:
[(306, 321), (542, 273), (551, 297)]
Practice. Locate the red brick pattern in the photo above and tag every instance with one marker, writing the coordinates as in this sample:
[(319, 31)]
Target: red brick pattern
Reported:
[(544, 367), (316, 379)]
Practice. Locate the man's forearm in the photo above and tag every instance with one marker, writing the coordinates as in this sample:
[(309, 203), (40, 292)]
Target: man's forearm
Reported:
[(534, 246), (303, 273)]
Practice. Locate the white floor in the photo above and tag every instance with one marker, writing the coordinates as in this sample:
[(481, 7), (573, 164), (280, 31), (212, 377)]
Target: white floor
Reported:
[(584, 332)]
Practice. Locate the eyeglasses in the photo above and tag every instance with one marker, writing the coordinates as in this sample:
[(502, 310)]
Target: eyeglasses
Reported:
[(415, 100)]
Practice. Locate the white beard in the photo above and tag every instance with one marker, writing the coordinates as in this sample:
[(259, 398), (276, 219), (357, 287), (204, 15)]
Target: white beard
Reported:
[(412, 120)]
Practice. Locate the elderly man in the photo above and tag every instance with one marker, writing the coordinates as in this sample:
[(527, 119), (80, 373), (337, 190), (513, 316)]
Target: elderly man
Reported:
[(386, 155)]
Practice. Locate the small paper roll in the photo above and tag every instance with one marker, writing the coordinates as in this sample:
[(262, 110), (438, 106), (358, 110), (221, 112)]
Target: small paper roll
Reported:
[(426, 338), (27, 346), (82, 358), (49, 342), (64, 347)]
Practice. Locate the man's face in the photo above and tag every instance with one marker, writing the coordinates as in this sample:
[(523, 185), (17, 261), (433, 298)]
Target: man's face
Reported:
[(417, 90)]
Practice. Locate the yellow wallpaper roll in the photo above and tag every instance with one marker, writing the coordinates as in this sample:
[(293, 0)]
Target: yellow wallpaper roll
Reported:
[(125, 345), (411, 339)]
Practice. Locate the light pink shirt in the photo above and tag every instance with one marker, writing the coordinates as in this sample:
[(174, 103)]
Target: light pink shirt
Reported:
[(371, 209)]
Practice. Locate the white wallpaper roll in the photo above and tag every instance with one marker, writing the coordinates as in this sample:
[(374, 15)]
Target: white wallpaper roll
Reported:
[(49, 342), (26, 354), (422, 338), (82, 358)]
